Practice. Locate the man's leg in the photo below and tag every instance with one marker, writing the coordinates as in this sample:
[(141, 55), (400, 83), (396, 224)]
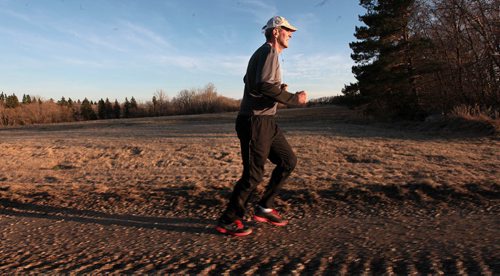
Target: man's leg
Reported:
[(255, 141), (282, 155)]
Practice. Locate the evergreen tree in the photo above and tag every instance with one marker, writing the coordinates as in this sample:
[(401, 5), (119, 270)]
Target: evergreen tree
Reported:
[(133, 103), (70, 102), (384, 58), (116, 109), (2, 99), (133, 107), (126, 109), (87, 111), (62, 101), (101, 109), (12, 101), (155, 105), (108, 107)]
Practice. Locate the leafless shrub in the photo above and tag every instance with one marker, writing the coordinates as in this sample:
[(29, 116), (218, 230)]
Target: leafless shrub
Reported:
[(35, 113), (475, 112), (204, 100), (475, 118)]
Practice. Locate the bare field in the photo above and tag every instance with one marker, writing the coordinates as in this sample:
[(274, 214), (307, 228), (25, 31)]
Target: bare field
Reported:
[(142, 195)]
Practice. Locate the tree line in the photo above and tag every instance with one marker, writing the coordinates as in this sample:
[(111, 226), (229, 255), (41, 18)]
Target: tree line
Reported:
[(33, 110), (415, 58)]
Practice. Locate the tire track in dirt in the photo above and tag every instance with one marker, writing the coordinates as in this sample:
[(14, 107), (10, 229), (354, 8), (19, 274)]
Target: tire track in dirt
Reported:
[(70, 262), (126, 265), (472, 264), (262, 266), (115, 263), (58, 263), (380, 266), (246, 266), (436, 263), (84, 260), (315, 265), (349, 262), (322, 267), (355, 264), (336, 263), (177, 265), (353, 260), (450, 265), (292, 265), (401, 266), (488, 265), (135, 265), (13, 262), (459, 264)]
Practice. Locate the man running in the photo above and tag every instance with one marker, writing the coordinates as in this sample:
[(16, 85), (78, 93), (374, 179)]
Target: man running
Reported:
[(260, 137)]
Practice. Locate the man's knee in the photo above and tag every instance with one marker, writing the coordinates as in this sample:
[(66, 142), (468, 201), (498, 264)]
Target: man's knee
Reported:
[(256, 175), (290, 163)]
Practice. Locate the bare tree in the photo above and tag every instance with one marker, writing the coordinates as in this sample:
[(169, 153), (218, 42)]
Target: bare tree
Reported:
[(162, 102)]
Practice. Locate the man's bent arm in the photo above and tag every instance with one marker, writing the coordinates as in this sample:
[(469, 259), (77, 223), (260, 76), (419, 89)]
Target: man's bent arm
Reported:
[(281, 95)]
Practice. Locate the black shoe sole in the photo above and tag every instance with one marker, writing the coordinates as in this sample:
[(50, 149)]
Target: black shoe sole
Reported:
[(231, 233), (262, 219)]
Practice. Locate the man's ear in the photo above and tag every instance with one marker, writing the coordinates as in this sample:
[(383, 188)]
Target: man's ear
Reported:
[(276, 32)]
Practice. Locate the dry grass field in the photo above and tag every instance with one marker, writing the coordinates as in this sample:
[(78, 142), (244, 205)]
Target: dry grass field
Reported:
[(142, 196)]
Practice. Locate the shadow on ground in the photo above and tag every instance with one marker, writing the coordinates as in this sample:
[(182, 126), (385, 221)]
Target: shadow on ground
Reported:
[(186, 225)]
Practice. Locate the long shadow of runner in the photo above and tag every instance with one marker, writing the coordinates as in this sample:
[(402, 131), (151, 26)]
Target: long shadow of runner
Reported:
[(186, 225)]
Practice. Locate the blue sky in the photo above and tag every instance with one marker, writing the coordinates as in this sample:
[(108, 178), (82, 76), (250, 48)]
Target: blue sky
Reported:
[(122, 48)]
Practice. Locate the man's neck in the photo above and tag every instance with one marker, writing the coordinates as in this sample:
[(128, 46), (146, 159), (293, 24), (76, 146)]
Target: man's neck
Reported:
[(276, 46)]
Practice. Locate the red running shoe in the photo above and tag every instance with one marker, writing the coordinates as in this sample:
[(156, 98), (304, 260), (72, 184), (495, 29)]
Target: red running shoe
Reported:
[(235, 228), (272, 217)]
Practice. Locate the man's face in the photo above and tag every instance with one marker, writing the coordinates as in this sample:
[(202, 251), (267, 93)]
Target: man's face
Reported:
[(283, 36)]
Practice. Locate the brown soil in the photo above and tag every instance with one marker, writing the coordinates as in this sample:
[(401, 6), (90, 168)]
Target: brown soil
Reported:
[(142, 196)]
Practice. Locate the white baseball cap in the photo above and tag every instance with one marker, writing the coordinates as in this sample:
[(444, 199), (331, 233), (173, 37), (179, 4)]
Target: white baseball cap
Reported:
[(278, 21)]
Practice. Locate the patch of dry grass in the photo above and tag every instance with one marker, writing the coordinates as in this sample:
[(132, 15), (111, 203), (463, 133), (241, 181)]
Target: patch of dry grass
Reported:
[(194, 160), (481, 119)]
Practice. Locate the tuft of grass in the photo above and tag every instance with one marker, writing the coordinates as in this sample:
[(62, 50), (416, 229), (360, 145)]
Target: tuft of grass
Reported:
[(481, 118), (475, 112)]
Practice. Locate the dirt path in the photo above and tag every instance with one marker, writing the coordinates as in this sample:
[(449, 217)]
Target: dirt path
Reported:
[(142, 196), (345, 240)]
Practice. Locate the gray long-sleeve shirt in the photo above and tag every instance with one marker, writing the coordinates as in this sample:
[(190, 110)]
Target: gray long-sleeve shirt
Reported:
[(262, 84)]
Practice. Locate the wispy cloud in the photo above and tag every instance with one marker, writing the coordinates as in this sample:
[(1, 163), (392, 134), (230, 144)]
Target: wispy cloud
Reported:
[(33, 41), (91, 39), (119, 39), (316, 67), (97, 34), (229, 65), (184, 62), (143, 35), (220, 64), (62, 34), (260, 10), (82, 62), (17, 15)]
